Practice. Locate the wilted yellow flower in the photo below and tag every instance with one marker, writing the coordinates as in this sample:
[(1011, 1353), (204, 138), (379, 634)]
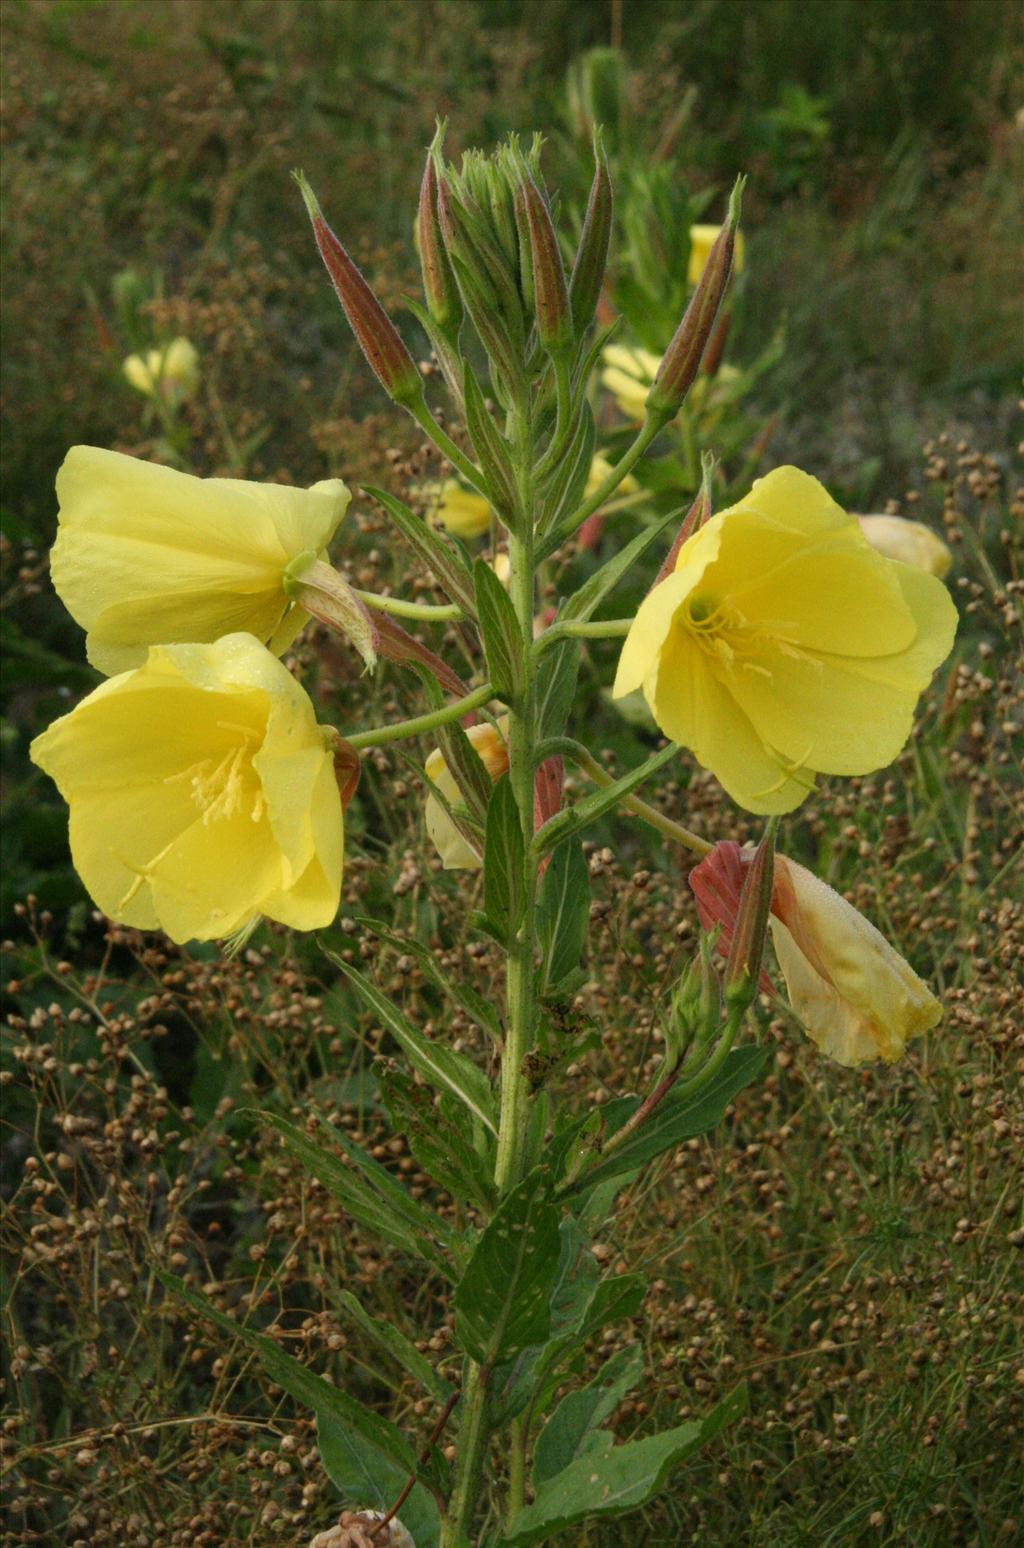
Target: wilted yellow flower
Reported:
[(911, 542), (174, 369), (202, 793), (702, 240), (457, 853), (782, 645), (146, 555), (628, 374), (856, 996), (460, 511)]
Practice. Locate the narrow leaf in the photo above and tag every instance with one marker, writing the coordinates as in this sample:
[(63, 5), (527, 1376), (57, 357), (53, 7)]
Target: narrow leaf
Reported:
[(440, 556), (438, 1064), (563, 912), (472, 1002), (504, 853), (556, 686), (405, 1355), (502, 1303), (582, 604), (503, 642), (573, 818), (436, 1131), (490, 448)]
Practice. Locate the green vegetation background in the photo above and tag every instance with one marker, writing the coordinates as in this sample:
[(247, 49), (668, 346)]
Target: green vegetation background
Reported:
[(848, 1241)]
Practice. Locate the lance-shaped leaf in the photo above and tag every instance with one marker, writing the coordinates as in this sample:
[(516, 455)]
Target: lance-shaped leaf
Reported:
[(555, 688), (368, 1480), (680, 1117), (574, 818), (405, 1354), (563, 912), (440, 556), (569, 480), (435, 1129), (583, 603), (440, 1065), (327, 596), (503, 640), (458, 989), (570, 1430), (504, 852), (608, 1480), (396, 644), (502, 1302), (490, 448), (305, 1385), (374, 1200)]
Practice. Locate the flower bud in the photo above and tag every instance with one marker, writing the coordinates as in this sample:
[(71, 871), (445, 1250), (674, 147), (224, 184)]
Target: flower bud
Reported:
[(171, 372), (451, 841), (592, 254), (743, 964), (696, 1004), (439, 285), (682, 359), (702, 241), (550, 292), (375, 333), (328, 597), (911, 542)]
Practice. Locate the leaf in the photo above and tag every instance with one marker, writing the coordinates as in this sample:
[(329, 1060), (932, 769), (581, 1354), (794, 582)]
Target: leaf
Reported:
[(564, 1436), (582, 603), (490, 448), (305, 1385), (608, 1480), (573, 818), (563, 913), (504, 860), (405, 1354), (437, 1138), (682, 1118), (472, 1002), (557, 671), (503, 640), (437, 1063), (569, 481), (437, 554), (501, 1304), (418, 1232), (370, 1481)]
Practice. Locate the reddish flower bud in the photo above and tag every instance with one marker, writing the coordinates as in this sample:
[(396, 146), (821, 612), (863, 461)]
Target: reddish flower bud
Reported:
[(439, 285), (682, 359), (716, 883), (375, 333), (550, 291), (592, 254), (743, 964)]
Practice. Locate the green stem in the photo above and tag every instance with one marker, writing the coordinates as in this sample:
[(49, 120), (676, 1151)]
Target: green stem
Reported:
[(473, 1434), (517, 1468), (429, 612), (582, 629), (421, 723), (651, 426)]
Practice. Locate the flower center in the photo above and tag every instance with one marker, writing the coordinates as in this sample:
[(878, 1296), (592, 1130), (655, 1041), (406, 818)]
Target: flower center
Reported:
[(222, 787)]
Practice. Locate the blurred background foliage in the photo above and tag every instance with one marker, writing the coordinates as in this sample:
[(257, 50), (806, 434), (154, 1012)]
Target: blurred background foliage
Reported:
[(845, 1242)]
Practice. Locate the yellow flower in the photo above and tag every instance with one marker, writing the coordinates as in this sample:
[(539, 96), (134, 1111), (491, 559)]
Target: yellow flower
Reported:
[(911, 542), (856, 996), (460, 511), (457, 853), (146, 555), (782, 645), (702, 240), (171, 370), (599, 471), (202, 793), (628, 375)]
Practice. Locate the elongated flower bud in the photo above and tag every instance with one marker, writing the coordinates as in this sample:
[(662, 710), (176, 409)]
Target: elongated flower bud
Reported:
[(696, 1005), (439, 285), (682, 359), (375, 333), (550, 291), (592, 254), (743, 965)]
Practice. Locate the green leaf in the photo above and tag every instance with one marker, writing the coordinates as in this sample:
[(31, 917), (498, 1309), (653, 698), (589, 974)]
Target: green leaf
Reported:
[(608, 1480), (503, 640), (569, 482), (440, 556), (405, 1354), (436, 1132), (573, 818), (682, 1117), (490, 448), (416, 1230), (504, 860), (582, 604), (563, 913), (305, 1385), (370, 1481), (557, 671), (472, 1002), (566, 1433), (502, 1302), (436, 1062)]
